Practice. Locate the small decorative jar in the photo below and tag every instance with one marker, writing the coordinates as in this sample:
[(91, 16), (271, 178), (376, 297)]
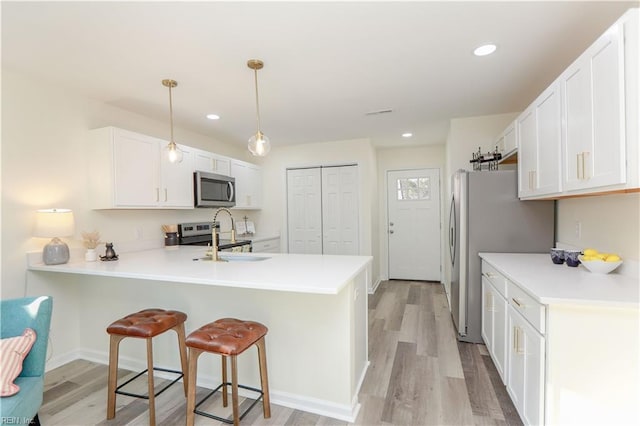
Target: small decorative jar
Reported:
[(91, 255)]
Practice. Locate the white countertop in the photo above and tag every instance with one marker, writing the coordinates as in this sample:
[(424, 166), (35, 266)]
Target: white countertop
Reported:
[(559, 284), (319, 274)]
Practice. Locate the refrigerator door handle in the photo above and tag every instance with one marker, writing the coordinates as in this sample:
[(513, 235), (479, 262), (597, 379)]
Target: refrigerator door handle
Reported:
[(452, 230)]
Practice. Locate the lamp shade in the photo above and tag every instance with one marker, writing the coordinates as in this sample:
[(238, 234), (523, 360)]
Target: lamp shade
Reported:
[(54, 223)]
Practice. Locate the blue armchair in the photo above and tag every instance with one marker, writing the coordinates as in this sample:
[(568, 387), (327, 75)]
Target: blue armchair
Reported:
[(15, 316)]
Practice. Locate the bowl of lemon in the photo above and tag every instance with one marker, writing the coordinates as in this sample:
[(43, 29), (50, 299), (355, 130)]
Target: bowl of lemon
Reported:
[(599, 263)]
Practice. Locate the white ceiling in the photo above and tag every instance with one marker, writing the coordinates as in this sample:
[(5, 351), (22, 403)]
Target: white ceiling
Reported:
[(326, 63)]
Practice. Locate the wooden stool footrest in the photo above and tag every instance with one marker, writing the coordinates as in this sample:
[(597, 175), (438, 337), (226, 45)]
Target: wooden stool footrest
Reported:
[(136, 395), (222, 419)]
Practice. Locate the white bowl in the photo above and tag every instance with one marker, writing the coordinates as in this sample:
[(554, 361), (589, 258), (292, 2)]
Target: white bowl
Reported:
[(599, 266)]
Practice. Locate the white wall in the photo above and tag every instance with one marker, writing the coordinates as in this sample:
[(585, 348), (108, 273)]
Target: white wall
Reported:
[(429, 157), (608, 223), (44, 165), (358, 151)]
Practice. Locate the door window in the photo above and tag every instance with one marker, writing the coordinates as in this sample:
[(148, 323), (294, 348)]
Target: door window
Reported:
[(411, 189)]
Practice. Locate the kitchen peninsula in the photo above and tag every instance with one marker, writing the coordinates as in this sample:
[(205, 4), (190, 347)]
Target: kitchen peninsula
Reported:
[(314, 306)]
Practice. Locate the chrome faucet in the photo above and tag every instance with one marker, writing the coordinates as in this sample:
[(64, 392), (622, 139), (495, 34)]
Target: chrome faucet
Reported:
[(215, 234)]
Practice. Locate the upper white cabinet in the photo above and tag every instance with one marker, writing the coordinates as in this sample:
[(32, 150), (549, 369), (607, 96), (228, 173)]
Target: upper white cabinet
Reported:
[(209, 162), (248, 184), (593, 111), (129, 171), (539, 133), (507, 142), (581, 135)]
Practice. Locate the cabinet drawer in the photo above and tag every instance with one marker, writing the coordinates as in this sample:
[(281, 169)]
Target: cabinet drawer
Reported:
[(531, 310), (266, 246), (496, 278)]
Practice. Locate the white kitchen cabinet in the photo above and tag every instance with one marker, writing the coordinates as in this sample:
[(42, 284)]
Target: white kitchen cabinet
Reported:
[(209, 162), (572, 341), (539, 136), (594, 105), (507, 142), (513, 326), (176, 179), (266, 245), (593, 111), (128, 170), (494, 325), (525, 378), (248, 184)]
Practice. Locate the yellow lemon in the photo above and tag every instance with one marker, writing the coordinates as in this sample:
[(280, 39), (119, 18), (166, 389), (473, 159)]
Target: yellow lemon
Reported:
[(588, 258), (590, 252), (612, 258), (601, 256)]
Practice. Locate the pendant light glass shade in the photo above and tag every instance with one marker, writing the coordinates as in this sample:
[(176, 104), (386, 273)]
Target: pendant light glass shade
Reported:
[(259, 144), (173, 153)]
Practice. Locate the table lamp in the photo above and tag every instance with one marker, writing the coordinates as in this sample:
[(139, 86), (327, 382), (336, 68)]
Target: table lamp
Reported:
[(54, 223)]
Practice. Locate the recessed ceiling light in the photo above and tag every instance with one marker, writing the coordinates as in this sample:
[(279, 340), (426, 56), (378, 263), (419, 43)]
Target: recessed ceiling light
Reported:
[(407, 135), (213, 116), (485, 49)]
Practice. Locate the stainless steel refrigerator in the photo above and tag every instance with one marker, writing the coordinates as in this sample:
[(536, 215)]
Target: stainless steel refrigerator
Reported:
[(487, 216)]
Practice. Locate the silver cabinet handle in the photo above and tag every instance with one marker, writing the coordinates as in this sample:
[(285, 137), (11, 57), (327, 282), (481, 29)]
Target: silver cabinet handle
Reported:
[(391, 231), (390, 223), (520, 305), (165, 194), (157, 194)]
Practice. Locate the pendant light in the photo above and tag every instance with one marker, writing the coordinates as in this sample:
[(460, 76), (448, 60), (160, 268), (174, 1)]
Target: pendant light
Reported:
[(173, 152), (259, 144)]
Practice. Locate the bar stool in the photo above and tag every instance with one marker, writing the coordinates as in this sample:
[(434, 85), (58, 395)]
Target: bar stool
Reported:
[(145, 324), (227, 337)]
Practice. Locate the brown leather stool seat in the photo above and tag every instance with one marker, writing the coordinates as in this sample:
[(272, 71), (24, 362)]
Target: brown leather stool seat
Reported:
[(145, 324), (227, 337)]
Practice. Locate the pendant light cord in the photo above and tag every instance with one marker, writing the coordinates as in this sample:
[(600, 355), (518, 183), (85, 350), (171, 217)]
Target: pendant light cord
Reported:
[(171, 112), (255, 72)]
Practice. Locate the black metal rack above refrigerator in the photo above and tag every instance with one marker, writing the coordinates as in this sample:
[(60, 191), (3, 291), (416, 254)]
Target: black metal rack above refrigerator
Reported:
[(489, 159)]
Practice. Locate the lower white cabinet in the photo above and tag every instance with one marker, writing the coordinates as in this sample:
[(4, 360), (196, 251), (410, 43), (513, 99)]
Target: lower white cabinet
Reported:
[(270, 245), (525, 376), (512, 327), (494, 325)]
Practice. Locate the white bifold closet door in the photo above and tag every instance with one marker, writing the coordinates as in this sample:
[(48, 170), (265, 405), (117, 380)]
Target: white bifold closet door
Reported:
[(322, 210)]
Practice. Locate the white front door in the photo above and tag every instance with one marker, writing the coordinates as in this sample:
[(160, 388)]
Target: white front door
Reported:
[(413, 203), (304, 211), (340, 210)]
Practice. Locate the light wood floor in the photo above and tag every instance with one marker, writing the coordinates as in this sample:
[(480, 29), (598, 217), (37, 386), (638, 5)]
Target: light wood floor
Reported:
[(419, 375)]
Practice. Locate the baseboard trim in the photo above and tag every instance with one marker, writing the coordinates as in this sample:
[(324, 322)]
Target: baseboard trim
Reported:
[(344, 412), (375, 285)]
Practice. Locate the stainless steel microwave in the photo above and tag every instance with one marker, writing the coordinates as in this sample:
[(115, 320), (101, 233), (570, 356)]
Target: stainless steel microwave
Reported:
[(213, 190)]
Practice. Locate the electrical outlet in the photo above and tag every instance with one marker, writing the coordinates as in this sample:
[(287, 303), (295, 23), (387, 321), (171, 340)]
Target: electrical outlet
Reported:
[(578, 229)]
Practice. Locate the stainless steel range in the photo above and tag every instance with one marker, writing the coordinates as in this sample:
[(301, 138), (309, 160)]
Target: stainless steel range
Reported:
[(200, 234)]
